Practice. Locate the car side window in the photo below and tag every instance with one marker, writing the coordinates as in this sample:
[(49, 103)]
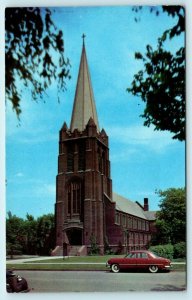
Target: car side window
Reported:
[(134, 255), (144, 255), (131, 255)]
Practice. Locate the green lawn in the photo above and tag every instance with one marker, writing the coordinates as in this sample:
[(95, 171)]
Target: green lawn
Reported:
[(73, 263), (67, 263), (80, 259)]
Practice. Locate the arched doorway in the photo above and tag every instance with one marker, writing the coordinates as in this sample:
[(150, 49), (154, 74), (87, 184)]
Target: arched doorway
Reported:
[(75, 236)]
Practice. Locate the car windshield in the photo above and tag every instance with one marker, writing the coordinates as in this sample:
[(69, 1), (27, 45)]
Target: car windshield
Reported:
[(153, 254)]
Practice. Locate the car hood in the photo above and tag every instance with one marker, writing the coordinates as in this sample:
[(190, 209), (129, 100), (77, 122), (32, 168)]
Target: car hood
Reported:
[(112, 260)]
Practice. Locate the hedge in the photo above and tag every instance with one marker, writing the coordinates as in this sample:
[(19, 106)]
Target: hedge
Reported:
[(163, 250), (180, 250)]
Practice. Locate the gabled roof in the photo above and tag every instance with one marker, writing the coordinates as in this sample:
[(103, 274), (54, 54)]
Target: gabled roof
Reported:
[(128, 206), (150, 215), (84, 104), (133, 208)]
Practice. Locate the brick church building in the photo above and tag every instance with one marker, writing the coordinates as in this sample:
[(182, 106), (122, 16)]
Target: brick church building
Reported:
[(86, 208)]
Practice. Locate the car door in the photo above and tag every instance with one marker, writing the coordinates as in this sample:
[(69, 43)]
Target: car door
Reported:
[(142, 260), (129, 261)]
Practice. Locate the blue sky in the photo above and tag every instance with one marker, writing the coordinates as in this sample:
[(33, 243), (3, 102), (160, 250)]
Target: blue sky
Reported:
[(142, 160)]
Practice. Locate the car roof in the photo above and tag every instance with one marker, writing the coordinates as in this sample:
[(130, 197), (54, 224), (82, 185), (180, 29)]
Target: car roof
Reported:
[(138, 251)]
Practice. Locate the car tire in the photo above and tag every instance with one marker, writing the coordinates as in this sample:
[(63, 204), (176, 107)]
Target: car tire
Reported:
[(153, 269), (115, 268)]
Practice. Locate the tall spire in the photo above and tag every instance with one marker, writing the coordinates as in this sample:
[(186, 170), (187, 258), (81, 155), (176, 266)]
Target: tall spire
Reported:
[(84, 104)]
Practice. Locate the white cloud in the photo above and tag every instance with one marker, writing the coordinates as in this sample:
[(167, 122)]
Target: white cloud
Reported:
[(34, 126), (147, 193), (141, 136), (38, 137), (19, 174), (124, 155), (26, 135), (46, 190)]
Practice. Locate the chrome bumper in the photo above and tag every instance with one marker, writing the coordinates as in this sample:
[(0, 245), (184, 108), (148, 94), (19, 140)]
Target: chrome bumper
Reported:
[(168, 267)]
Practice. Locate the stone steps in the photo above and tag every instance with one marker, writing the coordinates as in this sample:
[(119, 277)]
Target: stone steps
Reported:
[(74, 250)]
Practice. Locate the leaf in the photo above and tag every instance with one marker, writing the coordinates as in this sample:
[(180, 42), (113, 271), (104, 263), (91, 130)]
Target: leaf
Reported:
[(138, 55), (161, 85), (32, 40)]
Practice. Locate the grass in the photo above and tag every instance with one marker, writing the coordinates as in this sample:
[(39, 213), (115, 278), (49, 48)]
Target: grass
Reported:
[(93, 263), (80, 259)]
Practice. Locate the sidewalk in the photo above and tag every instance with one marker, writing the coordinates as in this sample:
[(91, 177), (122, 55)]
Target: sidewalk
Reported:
[(40, 258), (35, 258)]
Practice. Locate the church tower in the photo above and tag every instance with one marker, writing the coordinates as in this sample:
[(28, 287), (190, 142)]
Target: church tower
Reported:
[(83, 179)]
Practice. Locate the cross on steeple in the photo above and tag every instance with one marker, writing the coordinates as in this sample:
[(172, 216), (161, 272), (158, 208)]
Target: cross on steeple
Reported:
[(83, 37)]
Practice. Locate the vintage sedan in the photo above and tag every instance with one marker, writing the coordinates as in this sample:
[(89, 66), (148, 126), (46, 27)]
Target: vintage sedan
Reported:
[(139, 259)]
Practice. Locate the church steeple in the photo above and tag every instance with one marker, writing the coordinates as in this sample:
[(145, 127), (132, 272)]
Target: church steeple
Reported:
[(84, 104)]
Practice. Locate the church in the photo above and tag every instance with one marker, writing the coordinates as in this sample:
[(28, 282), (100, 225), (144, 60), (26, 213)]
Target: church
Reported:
[(87, 210)]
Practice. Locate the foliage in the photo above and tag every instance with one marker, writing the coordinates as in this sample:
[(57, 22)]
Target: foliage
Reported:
[(45, 234), (163, 250), (34, 53), (180, 250), (94, 246), (170, 251), (107, 248), (161, 83), (171, 219), (30, 228), (15, 234), (30, 236)]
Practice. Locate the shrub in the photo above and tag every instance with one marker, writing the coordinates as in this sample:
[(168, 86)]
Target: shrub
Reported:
[(107, 248), (163, 250), (180, 250), (94, 246)]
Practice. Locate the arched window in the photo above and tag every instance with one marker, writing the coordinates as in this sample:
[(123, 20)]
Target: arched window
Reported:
[(99, 160), (130, 222), (134, 223), (102, 161), (74, 198), (81, 160), (69, 199), (70, 157)]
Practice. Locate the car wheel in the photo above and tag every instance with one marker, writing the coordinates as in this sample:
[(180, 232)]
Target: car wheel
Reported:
[(115, 268), (153, 269)]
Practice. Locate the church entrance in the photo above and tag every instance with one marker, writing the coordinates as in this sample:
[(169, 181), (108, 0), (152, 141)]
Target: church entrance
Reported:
[(75, 236)]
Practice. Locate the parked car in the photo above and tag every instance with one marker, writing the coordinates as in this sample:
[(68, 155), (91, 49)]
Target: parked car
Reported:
[(16, 283), (139, 259)]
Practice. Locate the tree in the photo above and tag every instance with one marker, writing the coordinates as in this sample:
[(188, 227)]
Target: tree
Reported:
[(171, 219), (15, 234), (34, 54), (45, 234), (30, 227), (30, 235), (94, 249), (161, 83)]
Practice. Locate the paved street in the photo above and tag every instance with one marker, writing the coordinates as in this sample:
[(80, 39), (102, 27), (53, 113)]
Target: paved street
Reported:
[(88, 281)]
